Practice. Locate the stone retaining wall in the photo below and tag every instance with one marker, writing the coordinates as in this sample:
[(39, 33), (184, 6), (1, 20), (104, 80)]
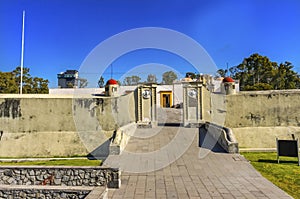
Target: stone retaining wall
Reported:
[(33, 193), (60, 176)]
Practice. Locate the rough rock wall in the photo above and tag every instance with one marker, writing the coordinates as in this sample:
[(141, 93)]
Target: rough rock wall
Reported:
[(43, 193), (60, 176)]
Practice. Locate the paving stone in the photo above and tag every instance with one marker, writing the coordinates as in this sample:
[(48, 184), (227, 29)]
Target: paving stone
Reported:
[(213, 175)]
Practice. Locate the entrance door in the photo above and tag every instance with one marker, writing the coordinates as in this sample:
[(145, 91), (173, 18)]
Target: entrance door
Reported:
[(166, 100)]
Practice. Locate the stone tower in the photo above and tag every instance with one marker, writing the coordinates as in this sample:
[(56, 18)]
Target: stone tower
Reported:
[(112, 88), (228, 86)]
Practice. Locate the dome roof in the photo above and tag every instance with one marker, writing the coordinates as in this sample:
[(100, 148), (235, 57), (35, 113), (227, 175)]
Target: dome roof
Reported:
[(228, 79), (111, 82)]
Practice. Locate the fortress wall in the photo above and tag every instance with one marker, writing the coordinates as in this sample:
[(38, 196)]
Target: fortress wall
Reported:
[(35, 114), (263, 109), (258, 118), (42, 144), (264, 137), (57, 125), (206, 104)]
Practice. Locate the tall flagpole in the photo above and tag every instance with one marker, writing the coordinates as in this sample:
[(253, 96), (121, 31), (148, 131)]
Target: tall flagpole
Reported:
[(22, 53)]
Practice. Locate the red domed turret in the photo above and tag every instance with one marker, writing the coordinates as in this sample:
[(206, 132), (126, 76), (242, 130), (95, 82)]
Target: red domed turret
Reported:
[(228, 86), (112, 88), (111, 82), (228, 79)]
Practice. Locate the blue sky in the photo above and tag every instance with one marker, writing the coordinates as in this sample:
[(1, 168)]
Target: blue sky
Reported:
[(59, 34)]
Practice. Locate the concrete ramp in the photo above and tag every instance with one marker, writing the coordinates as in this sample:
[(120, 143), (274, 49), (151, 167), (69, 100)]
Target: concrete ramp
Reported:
[(198, 173)]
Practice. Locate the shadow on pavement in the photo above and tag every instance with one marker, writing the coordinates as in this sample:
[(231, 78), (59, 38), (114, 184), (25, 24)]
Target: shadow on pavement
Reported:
[(208, 142), (101, 152), (170, 124)]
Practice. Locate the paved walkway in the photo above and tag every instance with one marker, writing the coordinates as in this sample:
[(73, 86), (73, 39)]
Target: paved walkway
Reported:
[(198, 173)]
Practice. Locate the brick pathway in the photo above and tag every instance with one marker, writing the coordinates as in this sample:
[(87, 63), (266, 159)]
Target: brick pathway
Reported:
[(215, 175)]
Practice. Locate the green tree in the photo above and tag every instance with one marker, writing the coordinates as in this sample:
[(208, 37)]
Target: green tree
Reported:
[(191, 75), (127, 81), (285, 77), (257, 72), (151, 78), (131, 80), (169, 77), (101, 82), (10, 82), (39, 85), (135, 79), (222, 72), (254, 70), (82, 82), (259, 86)]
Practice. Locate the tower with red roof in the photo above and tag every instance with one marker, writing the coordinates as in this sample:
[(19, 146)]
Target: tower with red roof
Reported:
[(112, 88)]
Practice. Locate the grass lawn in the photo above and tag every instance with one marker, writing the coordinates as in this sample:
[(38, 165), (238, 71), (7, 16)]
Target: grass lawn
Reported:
[(56, 162), (285, 175)]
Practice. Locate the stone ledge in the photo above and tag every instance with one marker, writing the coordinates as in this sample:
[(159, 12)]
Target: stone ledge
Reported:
[(121, 138)]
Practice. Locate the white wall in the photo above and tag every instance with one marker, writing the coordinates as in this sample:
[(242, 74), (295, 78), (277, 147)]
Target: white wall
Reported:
[(74, 91), (175, 88)]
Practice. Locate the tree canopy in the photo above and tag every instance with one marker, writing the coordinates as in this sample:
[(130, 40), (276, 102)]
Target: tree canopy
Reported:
[(168, 77), (131, 80), (258, 72), (151, 78), (101, 82), (10, 82), (222, 72), (81, 82)]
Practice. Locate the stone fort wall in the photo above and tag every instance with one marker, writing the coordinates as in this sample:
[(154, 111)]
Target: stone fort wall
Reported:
[(263, 109), (258, 118), (57, 125)]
